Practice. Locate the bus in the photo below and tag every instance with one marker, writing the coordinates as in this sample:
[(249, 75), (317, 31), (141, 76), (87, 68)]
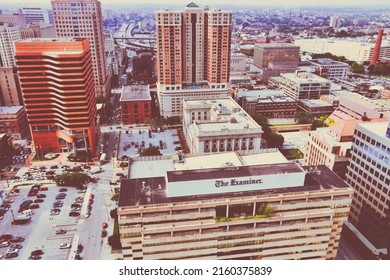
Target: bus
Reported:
[(103, 158)]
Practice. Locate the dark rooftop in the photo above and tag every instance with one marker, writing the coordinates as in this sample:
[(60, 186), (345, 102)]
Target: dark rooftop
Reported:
[(192, 5), (132, 193)]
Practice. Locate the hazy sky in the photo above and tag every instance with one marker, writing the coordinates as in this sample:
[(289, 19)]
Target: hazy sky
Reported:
[(231, 2)]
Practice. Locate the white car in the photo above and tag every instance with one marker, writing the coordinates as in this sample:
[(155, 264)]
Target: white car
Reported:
[(1, 256), (64, 246), (11, 250), (4, 244)]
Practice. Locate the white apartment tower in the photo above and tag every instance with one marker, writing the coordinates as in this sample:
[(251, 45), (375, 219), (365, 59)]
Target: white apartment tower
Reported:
[(8, 35), (193, 50), (83, 19)]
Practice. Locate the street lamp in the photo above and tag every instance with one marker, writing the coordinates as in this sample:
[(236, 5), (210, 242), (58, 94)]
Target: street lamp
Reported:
[(13, 217)]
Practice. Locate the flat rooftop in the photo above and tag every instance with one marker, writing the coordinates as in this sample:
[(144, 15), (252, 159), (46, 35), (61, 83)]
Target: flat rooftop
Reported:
[(10, 110), (133, 194), (265, 96), (380, 105), (226, 116), (277, 46), (313, 103), (159, 168), (378, 128), (328, 62), (135, 93), (304, 78)]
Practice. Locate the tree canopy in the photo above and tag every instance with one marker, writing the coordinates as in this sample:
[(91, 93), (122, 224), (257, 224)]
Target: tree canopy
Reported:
[(150, 151)]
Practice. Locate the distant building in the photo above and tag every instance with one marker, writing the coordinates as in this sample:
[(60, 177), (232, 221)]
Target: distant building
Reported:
[(335, 22), (351, 50), (83, 19), (13, 121), (109, 44), (219, 125), (248, 50), (276, 56), (237, 62), (136, 104), (64, 118), (13, 20), (8, 35), (36, 15), (38, 30), (273, 104), (231, 206), (10, 94), (369, 175), (302, 85), (193, 54), (143, 66), (330, 69)]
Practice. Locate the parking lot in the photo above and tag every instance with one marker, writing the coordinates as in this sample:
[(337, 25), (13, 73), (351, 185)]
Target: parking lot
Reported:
[(47, 229), (131, 143)]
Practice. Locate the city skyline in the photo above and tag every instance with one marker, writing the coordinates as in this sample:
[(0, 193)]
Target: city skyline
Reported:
[(282, 3)]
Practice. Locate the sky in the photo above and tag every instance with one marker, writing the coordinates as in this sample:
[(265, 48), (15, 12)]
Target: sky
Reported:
[(285, 3)]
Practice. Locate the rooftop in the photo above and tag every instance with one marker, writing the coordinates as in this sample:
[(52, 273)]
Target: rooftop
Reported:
[(277, 46), (135, 93), (149, 191), (312, 103), (380, 129), (10, 110), (304, 77), (328, 62), (266, 95), (226, 117)]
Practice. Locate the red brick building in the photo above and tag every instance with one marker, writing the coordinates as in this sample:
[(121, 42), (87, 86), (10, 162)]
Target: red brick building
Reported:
[(135, 104), (13, 121)]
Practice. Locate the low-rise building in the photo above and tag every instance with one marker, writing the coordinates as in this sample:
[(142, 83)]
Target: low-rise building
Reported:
[(13, 121), (219, 125), (302, 85), (231, 206), (315, 107), (273, 104), (135, 104), (330, 69)]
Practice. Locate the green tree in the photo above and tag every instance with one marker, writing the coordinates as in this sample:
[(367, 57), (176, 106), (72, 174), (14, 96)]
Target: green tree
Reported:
[(357, 68), (173, 120), (263, 122), (74, 179), (150, 151), (274, 140), (303, 118)]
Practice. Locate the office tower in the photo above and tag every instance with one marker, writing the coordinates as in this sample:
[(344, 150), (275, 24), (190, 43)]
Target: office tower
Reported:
[(193, 52), (276, 56), (8, 35), (35, 15), (56, 78), (231, 206), (83, 19), (335, 22), (14, 19), (369, 175), (10, 94)]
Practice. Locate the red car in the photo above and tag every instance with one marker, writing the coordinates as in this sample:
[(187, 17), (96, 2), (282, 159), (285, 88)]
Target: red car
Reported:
[(43, 189)]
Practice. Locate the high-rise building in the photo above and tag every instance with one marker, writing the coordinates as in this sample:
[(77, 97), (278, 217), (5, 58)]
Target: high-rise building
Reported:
[(335, 22), (193, 52), (10, 94), (8, 35), (56, 78), (83, 19), (38, 30), (369, 175), (34, 15)]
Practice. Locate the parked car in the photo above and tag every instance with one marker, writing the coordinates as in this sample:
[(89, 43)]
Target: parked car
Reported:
[(43, 189), (41, 195), (37, 252), (63, 190), (5, 244), (35, 257), (16, 246), (60, 196), (17, 239), (61, 231), (11, 255), (74, 214), (38, 200), (34, 206), (55, 211), (64, 246)]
